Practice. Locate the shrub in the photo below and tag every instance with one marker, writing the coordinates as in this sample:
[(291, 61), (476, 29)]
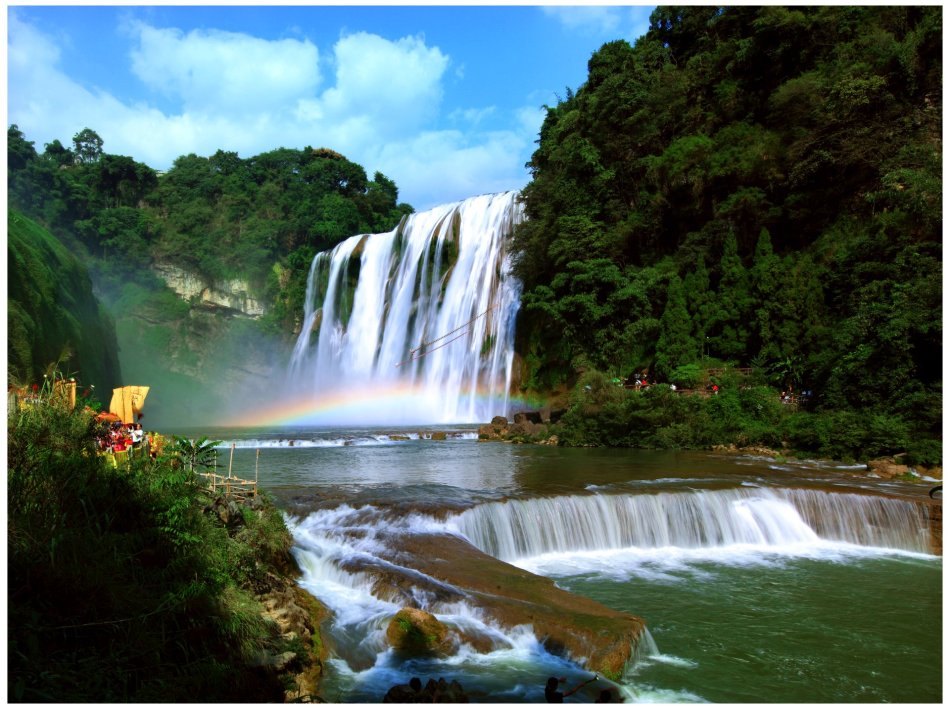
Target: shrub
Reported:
[(120, 587)]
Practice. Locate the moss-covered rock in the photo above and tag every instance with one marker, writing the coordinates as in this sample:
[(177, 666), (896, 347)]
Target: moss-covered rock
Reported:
[(417, 632)]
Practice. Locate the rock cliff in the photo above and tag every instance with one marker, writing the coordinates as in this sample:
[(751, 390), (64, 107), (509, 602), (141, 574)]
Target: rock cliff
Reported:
[(232, 295)]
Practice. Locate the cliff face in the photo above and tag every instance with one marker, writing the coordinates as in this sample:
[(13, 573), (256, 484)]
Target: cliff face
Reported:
[(51, 309), (203, 361), (232, 295)]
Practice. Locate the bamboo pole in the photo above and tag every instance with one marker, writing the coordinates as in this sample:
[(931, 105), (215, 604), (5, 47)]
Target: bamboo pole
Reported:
[(230, 463)]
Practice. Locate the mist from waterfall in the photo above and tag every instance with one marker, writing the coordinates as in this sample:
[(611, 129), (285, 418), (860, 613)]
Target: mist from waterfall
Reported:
[(415, 325)]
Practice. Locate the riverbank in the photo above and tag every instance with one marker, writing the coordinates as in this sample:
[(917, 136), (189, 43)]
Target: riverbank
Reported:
[(134, 584), (741, 416)]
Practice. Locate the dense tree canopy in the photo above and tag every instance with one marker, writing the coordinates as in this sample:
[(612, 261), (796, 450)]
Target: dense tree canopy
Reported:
[(222, 216), (761, 185)]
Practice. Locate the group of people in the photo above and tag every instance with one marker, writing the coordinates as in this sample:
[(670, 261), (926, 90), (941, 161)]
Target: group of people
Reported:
[(121, 437), (790, 397)]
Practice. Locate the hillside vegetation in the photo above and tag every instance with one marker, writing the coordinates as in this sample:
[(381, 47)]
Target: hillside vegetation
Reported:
[(259, 220), (751, 186), (126, 585), (52, 314)]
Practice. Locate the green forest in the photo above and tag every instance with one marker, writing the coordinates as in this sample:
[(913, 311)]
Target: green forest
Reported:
[(750, 187), (744, 187), (260, 219)]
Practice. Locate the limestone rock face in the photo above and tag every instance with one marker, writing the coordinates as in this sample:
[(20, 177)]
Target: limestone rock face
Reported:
[(233, 295), (417, 632)]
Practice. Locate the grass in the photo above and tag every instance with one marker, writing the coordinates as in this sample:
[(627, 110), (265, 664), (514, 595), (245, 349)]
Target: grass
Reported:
[(121, 587)]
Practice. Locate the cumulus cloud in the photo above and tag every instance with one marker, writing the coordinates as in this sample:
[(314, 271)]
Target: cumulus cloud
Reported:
[(211, 71), (381, 107), (395, 84), (611, 21), (598, 20), (461, 166)]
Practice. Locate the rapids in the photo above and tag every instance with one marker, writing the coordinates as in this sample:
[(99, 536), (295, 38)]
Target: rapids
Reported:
[(757, 582)]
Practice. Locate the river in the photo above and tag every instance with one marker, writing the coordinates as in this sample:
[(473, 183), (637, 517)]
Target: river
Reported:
[(759, 581)]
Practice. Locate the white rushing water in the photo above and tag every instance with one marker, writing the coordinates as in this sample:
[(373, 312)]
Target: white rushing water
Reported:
[(653, 536), (418, 322), (764, 519)]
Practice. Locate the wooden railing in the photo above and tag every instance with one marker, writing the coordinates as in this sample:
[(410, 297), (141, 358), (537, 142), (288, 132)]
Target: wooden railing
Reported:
[(230, 486)]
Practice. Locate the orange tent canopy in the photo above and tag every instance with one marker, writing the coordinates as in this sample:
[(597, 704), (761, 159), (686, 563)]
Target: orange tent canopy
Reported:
[(127, 402)]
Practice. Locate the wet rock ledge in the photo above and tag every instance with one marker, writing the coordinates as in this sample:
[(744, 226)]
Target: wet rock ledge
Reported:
[(599, 638), (294, 653), (528, 427)]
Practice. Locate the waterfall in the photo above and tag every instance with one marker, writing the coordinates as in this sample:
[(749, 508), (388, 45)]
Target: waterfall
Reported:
[(516, 529), (417, 323)]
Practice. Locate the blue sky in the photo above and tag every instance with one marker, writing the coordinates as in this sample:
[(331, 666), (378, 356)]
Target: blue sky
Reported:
[(445, 100)]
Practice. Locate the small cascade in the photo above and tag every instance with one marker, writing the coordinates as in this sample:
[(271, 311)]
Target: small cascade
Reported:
[(424, 315), (365, 562), (517, 529)]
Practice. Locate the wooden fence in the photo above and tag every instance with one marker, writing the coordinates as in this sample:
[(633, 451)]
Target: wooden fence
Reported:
[(231, 486)]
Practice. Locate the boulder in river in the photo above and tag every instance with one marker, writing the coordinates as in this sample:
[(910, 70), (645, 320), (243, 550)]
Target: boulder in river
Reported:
[(417, 632)]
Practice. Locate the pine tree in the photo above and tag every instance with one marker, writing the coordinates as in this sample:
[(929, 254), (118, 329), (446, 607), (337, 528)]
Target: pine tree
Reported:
[(675, 346)]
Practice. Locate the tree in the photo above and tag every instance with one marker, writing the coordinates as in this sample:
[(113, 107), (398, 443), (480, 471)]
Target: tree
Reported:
[(199, 455), (674, 346), (20, 151), (729, 328), (87, 146), (59, 154)]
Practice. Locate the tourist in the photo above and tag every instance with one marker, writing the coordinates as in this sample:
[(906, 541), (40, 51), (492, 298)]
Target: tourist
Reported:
[(553, 696)]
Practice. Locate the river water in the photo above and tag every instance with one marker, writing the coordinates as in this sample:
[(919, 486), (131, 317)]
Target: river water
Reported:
[(759, 581)]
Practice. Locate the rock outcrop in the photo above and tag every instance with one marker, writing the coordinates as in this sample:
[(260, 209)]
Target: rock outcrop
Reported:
[(295, 652), (416, 632), (599, 638), (527, 428), (233, 295)]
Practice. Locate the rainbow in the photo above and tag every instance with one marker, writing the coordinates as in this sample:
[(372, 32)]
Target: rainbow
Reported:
[(398, 404)]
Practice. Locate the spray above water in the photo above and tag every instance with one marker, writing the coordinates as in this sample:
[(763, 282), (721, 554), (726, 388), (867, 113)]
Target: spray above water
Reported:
[(413, 326)]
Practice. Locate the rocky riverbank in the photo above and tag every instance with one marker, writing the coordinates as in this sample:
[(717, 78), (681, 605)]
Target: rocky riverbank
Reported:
[(295, 652)]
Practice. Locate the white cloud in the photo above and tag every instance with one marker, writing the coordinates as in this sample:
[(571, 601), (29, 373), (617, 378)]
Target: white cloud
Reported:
[(236, 92), (597, 20), (397, 84), (614, 21), (472, 116), (459, 166), (212, 71)]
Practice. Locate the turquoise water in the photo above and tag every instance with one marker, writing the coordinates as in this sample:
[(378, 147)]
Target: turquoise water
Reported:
[(788, 630), (787, 621)]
